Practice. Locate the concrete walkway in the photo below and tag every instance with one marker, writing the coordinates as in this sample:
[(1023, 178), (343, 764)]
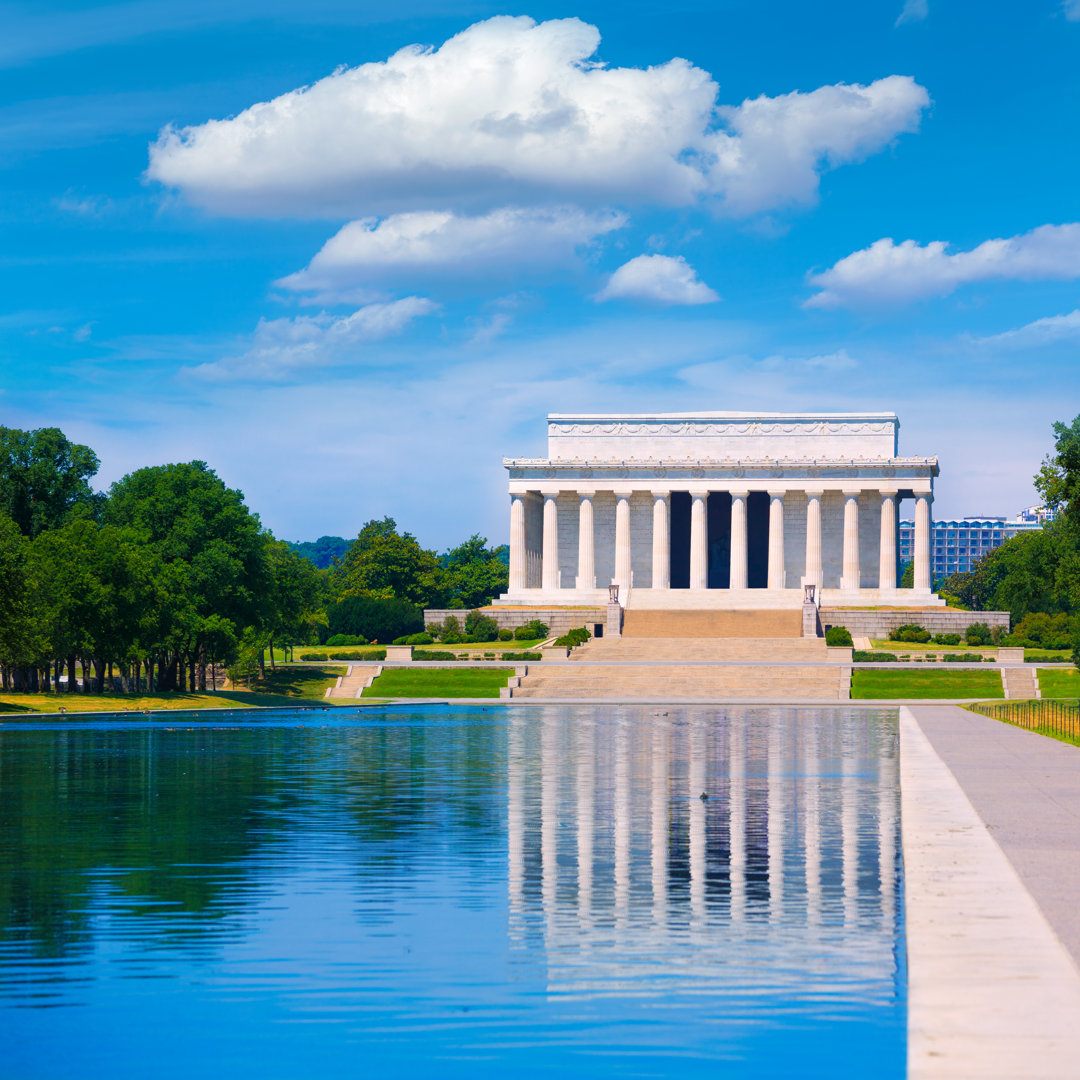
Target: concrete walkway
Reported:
[(1026, 788)]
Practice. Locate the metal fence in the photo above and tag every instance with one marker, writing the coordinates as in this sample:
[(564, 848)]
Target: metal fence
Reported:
[(1046, 717)]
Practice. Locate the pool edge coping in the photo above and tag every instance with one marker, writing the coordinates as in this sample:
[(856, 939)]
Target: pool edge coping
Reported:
[(992, 991)]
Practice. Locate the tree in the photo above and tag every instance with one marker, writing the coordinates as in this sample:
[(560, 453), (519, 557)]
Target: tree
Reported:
[(322, 552), (290, 613), (1058, 480), (383, 562), (44, 479), (374, 617), (475, 573)]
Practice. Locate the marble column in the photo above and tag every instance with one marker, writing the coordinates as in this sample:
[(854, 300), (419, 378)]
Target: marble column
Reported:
[(622, 544), (661, 541), (517, 543), (922, 541), (776, 540), (813, 539), (699, 542), (586, 552), (549, 571), (849, 581), (737, 579), (887, 557)]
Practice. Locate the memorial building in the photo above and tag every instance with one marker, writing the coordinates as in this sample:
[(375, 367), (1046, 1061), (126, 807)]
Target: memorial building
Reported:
[(718, 510)]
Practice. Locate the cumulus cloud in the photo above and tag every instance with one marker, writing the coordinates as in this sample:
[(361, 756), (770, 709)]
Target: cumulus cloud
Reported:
[(914, 11), (1046, 331), (441, 242), (511, 111), (891, 273), (657, 279), (280, 348)]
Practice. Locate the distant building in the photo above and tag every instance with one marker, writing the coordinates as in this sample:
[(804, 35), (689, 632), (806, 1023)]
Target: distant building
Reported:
[(955, 545)]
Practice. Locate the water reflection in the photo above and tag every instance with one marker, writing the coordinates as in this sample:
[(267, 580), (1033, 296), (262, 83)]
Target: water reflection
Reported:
[(453, 892)]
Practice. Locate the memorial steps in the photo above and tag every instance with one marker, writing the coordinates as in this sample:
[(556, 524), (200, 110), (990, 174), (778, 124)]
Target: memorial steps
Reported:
[(638, 623)]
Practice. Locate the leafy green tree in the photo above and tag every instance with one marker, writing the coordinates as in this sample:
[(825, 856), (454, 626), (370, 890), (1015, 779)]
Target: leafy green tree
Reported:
[(322, 552), (374, 617), (23, 641), (475, 573), (45, 479), (1058, 480), (383, 562), (291, 611)]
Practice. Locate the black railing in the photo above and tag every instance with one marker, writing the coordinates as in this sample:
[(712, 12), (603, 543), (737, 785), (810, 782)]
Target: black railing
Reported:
[(1046, 717)]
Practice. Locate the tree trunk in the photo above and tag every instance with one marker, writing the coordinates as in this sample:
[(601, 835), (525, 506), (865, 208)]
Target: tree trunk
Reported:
[(71, 673), (167, 665), (262, 664), (273, 665), (99, 675)]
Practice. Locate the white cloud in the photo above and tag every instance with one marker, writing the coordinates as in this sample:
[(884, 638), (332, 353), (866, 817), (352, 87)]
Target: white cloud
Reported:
[(914, 11), (444, 243), (1046, 331), (511, 111), (658, 279), (891, 273), (280, 348), (1071, 8)]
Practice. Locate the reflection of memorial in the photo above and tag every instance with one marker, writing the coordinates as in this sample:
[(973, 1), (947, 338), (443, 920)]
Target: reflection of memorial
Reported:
[(783, 878)]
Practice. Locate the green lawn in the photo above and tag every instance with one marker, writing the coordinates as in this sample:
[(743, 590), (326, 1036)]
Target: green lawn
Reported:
[(1059, 682), (439, 682), (932, 683), (298, 682)]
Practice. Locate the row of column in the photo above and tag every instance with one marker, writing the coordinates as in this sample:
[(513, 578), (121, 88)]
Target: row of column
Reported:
[(699, 553)]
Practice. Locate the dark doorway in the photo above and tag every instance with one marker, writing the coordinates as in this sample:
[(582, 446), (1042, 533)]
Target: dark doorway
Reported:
[(680, 540), (757, 540), (719, 540)]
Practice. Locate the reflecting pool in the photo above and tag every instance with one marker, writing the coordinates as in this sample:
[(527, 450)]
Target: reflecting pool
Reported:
[(454, 891)]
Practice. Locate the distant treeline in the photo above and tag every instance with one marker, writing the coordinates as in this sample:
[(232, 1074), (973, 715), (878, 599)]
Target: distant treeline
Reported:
[(168, 573)]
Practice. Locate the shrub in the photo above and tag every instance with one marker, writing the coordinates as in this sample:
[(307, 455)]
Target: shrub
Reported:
[(570, 640), (1048, 631), (946, 639), (314, 656), (379, 654), (977, 633), (432, 654), (522, 656), (532, 630), (346, 639), (479, 627), (910, 632), (373, 617), (861, 656), (838, 636), (506, 634), (449, 630), (966, 658), (423, 638)]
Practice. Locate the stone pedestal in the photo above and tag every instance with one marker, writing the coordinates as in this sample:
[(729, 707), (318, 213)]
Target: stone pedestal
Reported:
[(613, 626), (809, 619)]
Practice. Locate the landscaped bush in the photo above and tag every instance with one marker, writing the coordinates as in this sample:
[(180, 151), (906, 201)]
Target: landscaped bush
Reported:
[(861, 656), (838, 636), (480, 627), (506, 634), (377, 654), (570, 640), (1038, 630), (910, 632), (347, 639), (533, 630), (522, 656), (422, 638), (978, 633), (1044, 658), (432, 654), (316, 656), (946, 639), (966, 658), (375, 618)]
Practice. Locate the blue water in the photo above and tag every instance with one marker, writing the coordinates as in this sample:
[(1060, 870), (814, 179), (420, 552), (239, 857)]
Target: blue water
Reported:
[(453, 892)]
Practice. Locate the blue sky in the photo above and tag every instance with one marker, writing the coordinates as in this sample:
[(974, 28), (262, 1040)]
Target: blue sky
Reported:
[(353, 301)]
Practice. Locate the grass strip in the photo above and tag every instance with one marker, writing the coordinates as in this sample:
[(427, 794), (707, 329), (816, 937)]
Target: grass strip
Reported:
[(908, 683), (1059, 682), (439, 682)]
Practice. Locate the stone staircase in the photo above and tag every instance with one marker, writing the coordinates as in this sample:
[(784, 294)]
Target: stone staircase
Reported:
[(693, 669), (353, 682), (638, 623), (1021, 682)]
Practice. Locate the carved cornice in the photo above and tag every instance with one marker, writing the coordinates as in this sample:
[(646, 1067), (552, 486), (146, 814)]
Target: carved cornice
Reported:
[(737, 428)]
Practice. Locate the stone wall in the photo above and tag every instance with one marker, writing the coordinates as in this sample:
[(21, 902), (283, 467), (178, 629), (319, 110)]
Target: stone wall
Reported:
[(877, 624), (559, 620)]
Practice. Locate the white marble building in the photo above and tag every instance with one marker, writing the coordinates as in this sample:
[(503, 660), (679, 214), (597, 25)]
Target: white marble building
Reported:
[(717, 509)]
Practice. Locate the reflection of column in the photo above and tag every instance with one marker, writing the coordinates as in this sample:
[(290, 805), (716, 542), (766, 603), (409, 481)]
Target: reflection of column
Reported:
[(776, 540), (776, 819), (737, 819), (886, 834), (813, 538), (849, 825), (586, 560), (658, 841), (922, 541), (738, 579), (515, 823), (849, 582), (697, 822), (517, 543), (887, 549), (811, 787), (622, 824), (622, 543), (586, 803), (699, 542), (661, 551), (549, 574), (549, 818)]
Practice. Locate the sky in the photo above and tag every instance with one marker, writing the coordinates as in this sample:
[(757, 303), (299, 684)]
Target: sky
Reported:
[(352, 254)]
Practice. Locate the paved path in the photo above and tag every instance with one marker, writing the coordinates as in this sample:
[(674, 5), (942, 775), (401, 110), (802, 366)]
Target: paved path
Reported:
[(1026, 788)]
